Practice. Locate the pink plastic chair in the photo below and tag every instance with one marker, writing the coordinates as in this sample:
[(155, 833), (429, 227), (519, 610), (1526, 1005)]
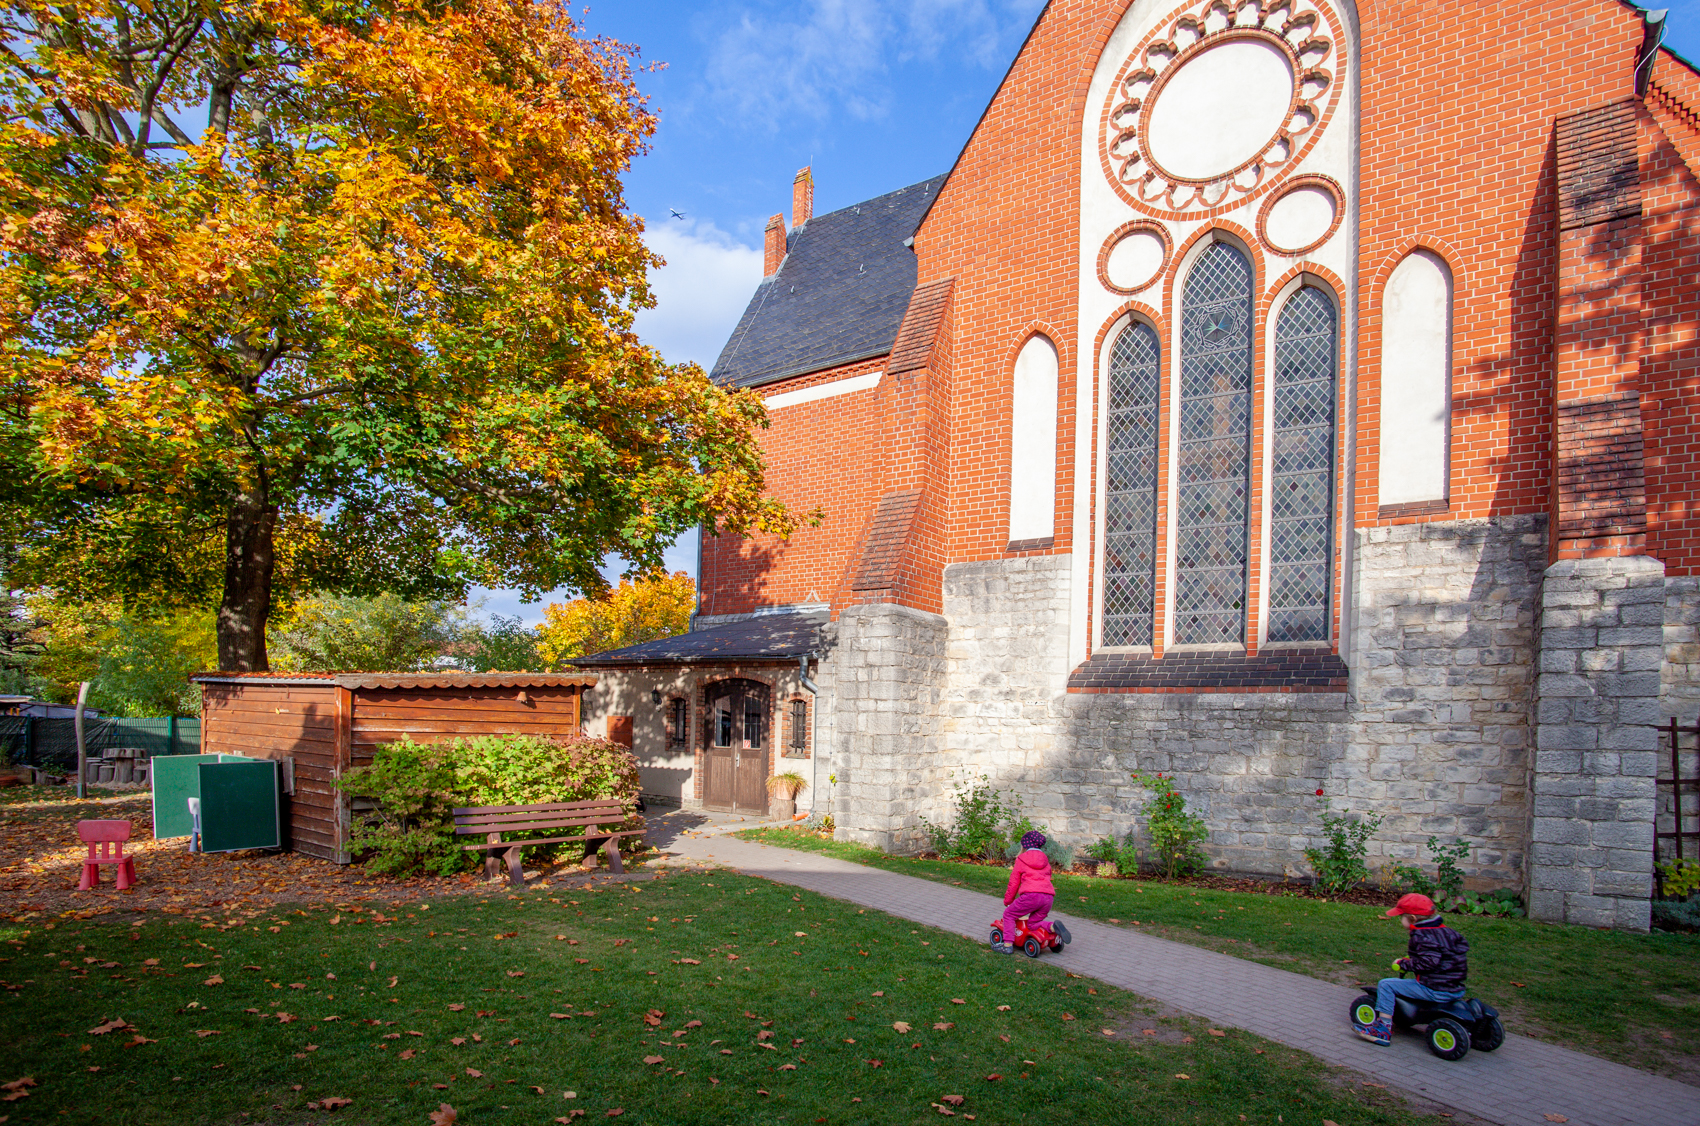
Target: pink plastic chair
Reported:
[(106, 846)]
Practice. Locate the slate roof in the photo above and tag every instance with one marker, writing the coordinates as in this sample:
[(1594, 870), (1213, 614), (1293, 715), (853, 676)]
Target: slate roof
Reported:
[(766, 636), (839, 295)]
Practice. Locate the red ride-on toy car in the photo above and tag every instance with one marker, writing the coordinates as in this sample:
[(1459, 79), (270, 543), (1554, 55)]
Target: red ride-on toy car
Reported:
[(1032, 942)]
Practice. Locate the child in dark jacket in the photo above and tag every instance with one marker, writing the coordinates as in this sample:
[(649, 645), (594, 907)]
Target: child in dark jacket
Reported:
[(1438, 957), (1030, 891)]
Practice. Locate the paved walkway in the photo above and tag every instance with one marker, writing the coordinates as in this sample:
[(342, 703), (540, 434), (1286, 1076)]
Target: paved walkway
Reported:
[(1525, 1081)]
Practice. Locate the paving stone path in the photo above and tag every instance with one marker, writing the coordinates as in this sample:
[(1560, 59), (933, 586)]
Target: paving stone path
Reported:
[(1523, 1083)]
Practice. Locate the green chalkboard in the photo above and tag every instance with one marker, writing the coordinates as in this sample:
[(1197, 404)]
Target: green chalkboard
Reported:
[(176, 778), (239, 804)]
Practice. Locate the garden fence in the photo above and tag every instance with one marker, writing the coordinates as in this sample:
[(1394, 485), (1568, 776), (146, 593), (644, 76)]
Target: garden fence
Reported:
[(1679, 770), (52, 743)]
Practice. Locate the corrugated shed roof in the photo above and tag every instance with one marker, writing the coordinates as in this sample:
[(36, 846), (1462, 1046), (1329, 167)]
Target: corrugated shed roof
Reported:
[(353, 680), (766, 636), (838, 297)]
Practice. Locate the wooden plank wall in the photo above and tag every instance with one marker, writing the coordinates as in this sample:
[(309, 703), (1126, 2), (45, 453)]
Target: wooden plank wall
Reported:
[(296, 721), (384, 715)]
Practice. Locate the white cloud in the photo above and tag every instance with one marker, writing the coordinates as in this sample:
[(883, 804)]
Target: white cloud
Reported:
[(700, 293), (838, 54)]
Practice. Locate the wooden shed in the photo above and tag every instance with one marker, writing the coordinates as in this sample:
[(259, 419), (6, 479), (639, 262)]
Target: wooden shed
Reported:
[(321, 724)]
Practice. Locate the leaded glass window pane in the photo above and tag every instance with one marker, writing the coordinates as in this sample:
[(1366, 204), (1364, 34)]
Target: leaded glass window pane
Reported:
[(1130, 511), (1213, 447), (1301, 486)]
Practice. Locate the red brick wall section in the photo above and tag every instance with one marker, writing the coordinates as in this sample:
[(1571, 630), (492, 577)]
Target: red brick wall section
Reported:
[(825, 455), (1670, 361), (1458, 156), (1598, 503), (773, 246)]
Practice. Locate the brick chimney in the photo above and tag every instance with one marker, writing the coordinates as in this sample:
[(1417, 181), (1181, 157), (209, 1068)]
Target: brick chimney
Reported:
[(802, 197), (774, 248)]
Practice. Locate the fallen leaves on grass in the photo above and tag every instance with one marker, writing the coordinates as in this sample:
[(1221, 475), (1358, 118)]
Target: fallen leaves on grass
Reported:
[(108, 1026), (332, 1102), (474, 1073), (653, 1017), (901, 1025), (1217, 1032), (203, 1033), (457, 1008), (215, 979), (653, 1059), (943, 1026), (1003, 1008), (993, 1078), (444, 1115), (1182, 1075), (17, 1089)]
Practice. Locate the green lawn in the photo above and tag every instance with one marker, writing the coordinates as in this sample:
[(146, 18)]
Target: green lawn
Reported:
[(1631, 998), (764, 1005)]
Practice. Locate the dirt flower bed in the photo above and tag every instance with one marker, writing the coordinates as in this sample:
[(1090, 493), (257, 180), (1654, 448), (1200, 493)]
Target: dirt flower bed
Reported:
[(41, 864)]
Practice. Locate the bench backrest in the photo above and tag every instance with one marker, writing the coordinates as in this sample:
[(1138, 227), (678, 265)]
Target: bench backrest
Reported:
[(550, 815)]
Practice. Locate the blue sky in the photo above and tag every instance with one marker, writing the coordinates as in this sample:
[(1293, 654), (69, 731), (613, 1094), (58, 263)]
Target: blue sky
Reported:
[(873, 94)]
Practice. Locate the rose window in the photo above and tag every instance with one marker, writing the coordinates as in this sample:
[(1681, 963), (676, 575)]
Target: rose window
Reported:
[(1219, 102)]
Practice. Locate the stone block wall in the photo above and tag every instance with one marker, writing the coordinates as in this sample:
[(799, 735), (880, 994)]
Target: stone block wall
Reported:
[(888, 678), (1434, 735), (1442, 663), (1602, 653)]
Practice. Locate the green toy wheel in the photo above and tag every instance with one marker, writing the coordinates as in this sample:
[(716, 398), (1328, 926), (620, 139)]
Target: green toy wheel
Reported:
[(1448, 1039), (1363, 1013)]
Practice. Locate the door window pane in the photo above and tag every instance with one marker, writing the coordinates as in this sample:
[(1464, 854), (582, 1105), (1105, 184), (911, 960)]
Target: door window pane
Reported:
[(723, 726), (752, 722), (1213, 445), (1130, 511), (1301, 502)]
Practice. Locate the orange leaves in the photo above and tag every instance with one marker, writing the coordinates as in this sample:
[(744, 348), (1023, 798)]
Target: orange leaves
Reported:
[(104, 1027), (444, 1115), (653, 1059), (653, 1017), (17, 1089)]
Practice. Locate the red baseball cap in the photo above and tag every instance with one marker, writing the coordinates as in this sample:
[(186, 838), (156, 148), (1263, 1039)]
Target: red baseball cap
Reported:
[(1413, 904)]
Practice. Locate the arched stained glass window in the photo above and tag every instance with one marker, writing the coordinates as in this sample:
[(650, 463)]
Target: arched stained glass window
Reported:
[(1130, 514), (1213, 446), (1301, 484)]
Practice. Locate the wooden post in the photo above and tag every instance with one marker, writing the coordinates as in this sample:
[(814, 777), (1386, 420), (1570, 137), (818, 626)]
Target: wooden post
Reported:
[(1675, 788), (82, 746)]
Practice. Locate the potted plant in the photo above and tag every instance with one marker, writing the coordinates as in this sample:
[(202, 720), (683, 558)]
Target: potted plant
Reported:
[(782, 791)]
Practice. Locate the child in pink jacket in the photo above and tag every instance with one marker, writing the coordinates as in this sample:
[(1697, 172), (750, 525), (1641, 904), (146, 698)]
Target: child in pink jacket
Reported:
[(1030, 891)]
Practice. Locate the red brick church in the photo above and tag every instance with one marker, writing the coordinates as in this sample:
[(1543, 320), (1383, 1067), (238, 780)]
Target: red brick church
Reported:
[(1285, 394)]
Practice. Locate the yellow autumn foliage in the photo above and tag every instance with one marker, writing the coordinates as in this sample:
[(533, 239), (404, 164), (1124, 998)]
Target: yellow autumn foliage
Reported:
[(630, 614)]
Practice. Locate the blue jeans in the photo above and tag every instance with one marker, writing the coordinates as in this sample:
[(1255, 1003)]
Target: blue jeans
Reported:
[(1391, 987)]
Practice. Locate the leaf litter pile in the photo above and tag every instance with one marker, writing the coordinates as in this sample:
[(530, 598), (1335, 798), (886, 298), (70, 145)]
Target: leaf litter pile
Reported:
[(41, 862), (699, 997)]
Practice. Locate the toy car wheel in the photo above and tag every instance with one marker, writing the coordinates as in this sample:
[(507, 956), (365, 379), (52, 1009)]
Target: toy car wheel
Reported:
[(1363, 1012), (997, 936), (1031, 947), (1448, 1039), (1487, 1035)]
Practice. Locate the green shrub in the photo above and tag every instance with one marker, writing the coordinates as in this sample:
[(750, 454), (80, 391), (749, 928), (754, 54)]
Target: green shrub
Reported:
[(1676, 916), (411, 830), (1409, 877), (1679, 879), (416, 786), (1449, 877), (1105, 850), (1173, 831), (984, 819), (1503, 903), (1341, 864)]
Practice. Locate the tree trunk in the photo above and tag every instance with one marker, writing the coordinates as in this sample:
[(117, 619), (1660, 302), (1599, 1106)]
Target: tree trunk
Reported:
[(248, 561)]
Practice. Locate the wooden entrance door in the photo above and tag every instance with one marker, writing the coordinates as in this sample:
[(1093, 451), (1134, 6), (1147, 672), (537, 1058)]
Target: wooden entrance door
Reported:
[(735, 754)]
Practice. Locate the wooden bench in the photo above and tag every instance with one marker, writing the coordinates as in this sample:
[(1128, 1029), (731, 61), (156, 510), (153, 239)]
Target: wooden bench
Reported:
[(492, 821)]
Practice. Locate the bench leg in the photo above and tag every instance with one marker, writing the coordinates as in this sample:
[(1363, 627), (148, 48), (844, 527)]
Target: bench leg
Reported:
[(611, 850), (516, 875)]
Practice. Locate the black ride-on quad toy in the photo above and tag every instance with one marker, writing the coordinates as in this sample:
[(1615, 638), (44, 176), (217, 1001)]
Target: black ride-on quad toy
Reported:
[(1451, 1028)]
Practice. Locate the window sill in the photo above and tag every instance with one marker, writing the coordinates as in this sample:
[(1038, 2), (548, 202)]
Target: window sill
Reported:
[(1028, 547), (1412, 508), (1285, 670)]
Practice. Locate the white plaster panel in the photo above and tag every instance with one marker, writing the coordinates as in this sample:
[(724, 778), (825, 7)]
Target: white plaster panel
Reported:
[(1334, 154), (1416, 380), (1299, 218), (1135, 259), (1220, 109), (824, 391), (1033, 442)]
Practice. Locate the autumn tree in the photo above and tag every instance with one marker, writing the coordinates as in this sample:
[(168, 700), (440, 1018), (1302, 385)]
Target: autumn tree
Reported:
[(352, 633), (367, 328), (629, 614)]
